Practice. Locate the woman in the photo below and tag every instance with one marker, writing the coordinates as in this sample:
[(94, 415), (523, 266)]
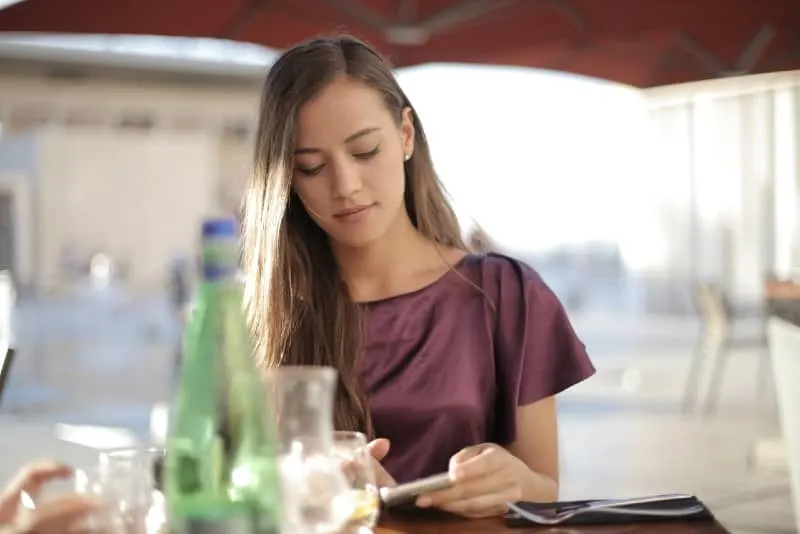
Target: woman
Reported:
[(354, 259), (59, 515)]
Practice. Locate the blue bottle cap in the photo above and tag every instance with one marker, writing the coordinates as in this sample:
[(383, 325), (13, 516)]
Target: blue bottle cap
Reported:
[(220, 227), (220, 249)]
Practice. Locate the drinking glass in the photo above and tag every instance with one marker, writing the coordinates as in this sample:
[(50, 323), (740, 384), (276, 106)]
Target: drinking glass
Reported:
[(105, 520), (130, 477), (362, 502), (312, 481)]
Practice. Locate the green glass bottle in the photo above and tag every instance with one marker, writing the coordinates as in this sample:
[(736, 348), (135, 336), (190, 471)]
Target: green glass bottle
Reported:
[(220, 469)]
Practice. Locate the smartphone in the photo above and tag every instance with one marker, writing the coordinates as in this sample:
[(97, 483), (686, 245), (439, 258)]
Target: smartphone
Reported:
[(406, 493)]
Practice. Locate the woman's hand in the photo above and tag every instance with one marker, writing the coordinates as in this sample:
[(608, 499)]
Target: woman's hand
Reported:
[(57, 516), (485, 477), (379, 448)]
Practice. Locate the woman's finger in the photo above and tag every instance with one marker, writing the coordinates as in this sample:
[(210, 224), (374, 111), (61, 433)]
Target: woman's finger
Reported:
[(30, 479), (474, 470), (465, 454), (59, 515), (487, 459), (350, 468), (490, 505), (379, 448), (35, 474), (464, 489)]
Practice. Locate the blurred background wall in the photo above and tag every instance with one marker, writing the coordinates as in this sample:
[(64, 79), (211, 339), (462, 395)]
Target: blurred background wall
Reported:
[(147, 153)]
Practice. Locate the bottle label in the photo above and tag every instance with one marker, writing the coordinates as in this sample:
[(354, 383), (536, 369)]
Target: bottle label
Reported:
[(220, 257)]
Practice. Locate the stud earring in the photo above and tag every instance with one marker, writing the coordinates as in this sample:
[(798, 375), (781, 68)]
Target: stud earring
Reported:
[(408, 157)]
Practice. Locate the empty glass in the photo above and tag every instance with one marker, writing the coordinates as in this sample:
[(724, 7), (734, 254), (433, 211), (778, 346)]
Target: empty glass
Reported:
[(362, 503)]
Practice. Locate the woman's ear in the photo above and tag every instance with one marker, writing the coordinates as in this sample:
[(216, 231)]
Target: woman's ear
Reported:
[(407, 131)]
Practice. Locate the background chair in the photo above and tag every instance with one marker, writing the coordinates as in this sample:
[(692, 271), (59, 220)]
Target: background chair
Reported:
[(715, 344)]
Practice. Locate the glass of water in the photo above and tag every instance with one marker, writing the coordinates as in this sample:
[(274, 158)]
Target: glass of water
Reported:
[(362, 502)]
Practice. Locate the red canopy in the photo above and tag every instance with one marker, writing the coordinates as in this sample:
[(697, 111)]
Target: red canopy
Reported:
[(638, 42)]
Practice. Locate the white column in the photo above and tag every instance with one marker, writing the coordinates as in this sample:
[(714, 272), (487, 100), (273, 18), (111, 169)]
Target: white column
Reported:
[(795, 208), (786, 177)]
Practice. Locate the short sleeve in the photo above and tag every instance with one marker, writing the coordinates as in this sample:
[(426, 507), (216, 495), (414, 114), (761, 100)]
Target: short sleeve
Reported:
[(537, 353)]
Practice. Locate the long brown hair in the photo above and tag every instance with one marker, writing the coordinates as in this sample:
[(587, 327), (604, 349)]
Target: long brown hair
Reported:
[(297, 303)]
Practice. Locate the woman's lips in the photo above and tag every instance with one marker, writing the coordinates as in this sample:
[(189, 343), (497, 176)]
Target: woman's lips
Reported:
[(354, 214)]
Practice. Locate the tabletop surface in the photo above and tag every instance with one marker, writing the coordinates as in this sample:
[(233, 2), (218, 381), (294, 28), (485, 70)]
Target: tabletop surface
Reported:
[(496, 526)]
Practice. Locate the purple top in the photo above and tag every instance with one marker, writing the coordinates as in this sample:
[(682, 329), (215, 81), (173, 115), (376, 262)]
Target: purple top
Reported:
[(444, 368)]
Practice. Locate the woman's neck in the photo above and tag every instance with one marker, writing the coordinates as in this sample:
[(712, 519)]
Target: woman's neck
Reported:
[(390, 266)]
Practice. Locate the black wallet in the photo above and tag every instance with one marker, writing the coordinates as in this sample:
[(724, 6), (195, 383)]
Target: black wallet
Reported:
[(618, 517)]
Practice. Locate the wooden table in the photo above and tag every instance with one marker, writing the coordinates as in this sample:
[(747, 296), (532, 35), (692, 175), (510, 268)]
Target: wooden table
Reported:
[(496, 526)]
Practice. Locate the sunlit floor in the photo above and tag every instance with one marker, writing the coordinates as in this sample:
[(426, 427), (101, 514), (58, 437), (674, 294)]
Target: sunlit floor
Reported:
[(622, 432)]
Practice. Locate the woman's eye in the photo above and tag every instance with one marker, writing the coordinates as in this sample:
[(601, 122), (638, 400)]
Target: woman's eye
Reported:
[(311, 171), (368, 155)]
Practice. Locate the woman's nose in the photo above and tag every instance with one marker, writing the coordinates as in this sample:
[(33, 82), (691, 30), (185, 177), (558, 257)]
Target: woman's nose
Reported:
[(346, 179)]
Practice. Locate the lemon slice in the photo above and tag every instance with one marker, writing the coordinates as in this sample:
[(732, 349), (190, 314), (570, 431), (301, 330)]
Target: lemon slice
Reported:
[(365, 504)]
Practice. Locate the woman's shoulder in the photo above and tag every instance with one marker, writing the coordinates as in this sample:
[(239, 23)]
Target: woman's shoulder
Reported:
[(512, 286), (497, 264), (498, 272), (496, 276)]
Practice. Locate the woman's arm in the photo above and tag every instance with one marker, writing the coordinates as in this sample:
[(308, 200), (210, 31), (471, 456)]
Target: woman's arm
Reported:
[(537, 446)]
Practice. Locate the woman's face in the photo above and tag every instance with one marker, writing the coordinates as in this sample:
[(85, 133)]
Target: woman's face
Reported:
[(349, 170)]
